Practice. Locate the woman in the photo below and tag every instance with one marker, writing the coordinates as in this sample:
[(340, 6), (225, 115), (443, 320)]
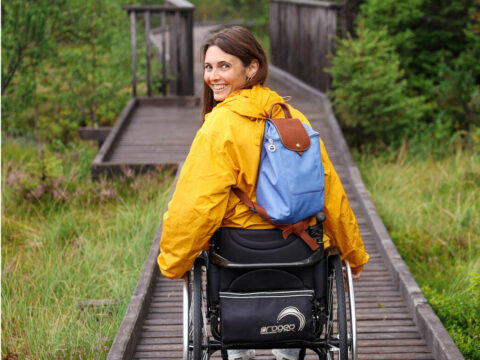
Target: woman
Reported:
[(225, 153)]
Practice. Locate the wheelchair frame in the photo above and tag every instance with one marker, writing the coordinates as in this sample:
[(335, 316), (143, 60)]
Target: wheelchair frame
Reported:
[(200, 343)]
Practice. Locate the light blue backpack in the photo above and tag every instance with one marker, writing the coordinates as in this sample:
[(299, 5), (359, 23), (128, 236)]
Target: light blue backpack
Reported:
[(291, 179)]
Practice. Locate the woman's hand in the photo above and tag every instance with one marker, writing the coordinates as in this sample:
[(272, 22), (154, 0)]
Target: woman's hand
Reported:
[(356, 274)]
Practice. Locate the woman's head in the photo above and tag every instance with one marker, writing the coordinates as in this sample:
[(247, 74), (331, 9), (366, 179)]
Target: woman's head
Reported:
[(233, 60)]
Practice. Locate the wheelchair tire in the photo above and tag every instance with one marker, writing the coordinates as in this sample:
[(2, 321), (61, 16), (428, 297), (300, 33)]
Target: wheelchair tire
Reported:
[(353, 316), (199, 350), (342, 329)]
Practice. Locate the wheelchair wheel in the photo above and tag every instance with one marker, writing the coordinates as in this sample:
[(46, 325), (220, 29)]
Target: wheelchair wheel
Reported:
[(353, 317), (187, 320), (200, 350), (195, 340), (338, 339)]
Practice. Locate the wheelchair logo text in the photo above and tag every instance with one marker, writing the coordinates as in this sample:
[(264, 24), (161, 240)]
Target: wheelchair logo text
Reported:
[(275, 329)]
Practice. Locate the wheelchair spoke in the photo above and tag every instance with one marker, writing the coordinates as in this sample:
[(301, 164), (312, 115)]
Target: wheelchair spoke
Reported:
[(329, 325)]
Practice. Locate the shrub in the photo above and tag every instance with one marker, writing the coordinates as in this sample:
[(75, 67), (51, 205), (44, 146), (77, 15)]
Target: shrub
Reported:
[(458, 91), (369, 90), (460, 314), (60, 74), (438, 46), (425, 32)]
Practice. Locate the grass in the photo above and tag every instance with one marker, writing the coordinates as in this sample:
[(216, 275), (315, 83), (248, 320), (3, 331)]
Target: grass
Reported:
[(431, 208), (70, 240)]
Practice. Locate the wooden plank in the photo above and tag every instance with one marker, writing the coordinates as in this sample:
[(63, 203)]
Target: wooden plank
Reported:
[(159, 347), (173, 101), (153, 341), (388, 329), (181, 4), (158, 8), (113, 135), (164, 321), (162, 334), (310, 3), (155, 355), (389, 350), (92, 133), (361, 336), (404, 356), (373, 343)]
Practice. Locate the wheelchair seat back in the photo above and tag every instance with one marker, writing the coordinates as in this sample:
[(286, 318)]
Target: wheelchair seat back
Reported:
[(257, 305)]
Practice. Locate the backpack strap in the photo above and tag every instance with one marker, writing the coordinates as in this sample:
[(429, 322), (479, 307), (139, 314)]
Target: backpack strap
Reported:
[(288, 229), (285, 108)]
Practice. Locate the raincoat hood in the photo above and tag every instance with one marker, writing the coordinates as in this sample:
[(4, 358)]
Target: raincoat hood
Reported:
[(254, 103)]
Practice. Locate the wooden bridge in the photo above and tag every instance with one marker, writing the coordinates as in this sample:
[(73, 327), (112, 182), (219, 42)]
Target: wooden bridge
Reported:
[(394, 320)]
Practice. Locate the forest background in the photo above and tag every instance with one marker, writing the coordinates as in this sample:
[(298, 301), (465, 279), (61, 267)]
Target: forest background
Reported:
[(406, 91)]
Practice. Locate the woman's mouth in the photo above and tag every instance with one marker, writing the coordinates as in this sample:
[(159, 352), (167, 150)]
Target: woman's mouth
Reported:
[(218, 87)]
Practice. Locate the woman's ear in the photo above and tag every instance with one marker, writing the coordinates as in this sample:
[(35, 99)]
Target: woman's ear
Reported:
[(252, 68)]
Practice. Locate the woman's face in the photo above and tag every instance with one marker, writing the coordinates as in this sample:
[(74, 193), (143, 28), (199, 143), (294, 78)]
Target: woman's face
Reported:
[(224, 73)]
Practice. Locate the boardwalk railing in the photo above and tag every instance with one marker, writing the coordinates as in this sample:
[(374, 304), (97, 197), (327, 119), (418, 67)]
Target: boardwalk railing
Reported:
[(301, 37), (174, 40)]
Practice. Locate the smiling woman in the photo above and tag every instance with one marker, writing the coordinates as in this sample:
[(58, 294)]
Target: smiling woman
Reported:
[(234, 60), (224, 73)]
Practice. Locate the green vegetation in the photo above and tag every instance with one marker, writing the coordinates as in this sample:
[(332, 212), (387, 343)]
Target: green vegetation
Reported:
[(370, 91), (68, 239), (65, 64), (431, 208), (411, 68)]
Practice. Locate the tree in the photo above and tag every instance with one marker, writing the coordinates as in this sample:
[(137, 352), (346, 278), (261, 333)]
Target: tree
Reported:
[(28, 28)]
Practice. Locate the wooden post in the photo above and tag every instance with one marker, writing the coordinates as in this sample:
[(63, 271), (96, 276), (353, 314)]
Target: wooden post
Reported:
[(133, 41), (147, 41), (174, 44), (176, 36), (185, 57), (189, 87), (164, 54), (301, 38)]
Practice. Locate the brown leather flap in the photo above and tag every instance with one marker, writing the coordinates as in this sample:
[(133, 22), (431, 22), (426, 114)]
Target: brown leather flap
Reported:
[(292, 133)]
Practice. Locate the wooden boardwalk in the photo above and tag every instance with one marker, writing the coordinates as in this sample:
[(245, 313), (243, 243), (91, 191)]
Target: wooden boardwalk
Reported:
[(389, 303)]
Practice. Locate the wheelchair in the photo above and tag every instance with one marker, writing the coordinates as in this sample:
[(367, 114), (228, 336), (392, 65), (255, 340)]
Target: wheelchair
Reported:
[(263, 292)]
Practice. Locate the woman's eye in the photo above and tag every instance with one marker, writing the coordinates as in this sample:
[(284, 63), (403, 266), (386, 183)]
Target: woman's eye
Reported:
[(208, 67), (225, 66)]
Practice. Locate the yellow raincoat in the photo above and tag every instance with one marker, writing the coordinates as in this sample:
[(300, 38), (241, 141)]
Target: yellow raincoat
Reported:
[(224, 154)]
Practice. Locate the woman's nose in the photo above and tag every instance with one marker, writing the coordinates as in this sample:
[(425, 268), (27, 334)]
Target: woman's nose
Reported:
[(214, 74)]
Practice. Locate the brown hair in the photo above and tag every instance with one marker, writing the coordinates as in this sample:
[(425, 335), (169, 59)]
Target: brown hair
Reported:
[(240, 42)]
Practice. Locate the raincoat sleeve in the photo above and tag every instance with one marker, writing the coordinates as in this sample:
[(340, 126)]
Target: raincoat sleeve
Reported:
[(341, 227), (197, 206)]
